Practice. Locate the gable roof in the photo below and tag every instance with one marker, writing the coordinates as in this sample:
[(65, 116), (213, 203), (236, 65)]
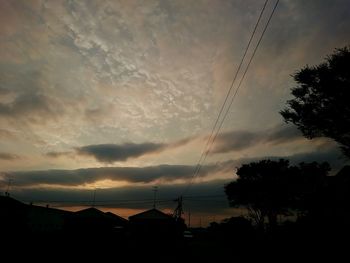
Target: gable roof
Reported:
[(95, 213), (152, 214), (9, 202), (90, 212), (13, 204), (114, 216)]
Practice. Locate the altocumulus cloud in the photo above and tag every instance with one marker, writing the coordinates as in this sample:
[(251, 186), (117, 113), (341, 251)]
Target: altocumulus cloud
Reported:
[(7, 134)]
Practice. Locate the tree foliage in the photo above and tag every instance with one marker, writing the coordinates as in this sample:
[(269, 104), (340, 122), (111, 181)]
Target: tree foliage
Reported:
[(321, 103), (260, 188), (271, 188)]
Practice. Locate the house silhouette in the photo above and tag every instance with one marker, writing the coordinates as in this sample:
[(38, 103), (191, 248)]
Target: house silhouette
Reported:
[(155, 224), (92, 220)]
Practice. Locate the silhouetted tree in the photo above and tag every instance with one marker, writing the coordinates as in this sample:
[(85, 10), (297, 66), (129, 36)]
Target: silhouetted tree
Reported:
[(308, 187), (321, 103), (261, 188), (271, 188), (325, 199)]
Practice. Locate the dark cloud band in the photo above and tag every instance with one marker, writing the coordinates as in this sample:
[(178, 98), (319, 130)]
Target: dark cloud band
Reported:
[(225, 142), (8, 156), (165, 173), (129, 174), (241, 140), (110, 153)]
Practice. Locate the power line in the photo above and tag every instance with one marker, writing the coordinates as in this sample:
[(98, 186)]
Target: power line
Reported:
[(230, 89), (121, 201), (241, 80), (88, 204), (244, 74), (207, 150), (203, 196)]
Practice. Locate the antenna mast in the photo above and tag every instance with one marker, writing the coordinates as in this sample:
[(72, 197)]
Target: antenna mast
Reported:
[(94, 198), (155, 190), (7, 193)]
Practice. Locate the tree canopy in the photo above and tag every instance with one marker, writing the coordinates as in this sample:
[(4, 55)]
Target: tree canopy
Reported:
[(321, 103), (269, 188)]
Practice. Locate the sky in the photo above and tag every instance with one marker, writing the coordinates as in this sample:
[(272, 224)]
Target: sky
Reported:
[(119, 96)]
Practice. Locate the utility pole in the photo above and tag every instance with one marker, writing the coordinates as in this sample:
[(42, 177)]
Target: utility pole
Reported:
[(155, 190), (178, 210)]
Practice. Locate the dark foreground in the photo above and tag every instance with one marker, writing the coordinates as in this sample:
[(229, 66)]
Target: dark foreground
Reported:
[(289, 244), (37, 234)]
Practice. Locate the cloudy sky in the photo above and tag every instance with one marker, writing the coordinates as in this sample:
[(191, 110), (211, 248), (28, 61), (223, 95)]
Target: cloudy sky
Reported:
[(122, 95)]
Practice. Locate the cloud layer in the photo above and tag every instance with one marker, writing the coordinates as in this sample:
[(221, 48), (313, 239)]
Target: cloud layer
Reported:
[(8, 156), (80, 177), (240, 140), (111, 152), (85, 83), (89, 73), (227, 142), (160, 173)]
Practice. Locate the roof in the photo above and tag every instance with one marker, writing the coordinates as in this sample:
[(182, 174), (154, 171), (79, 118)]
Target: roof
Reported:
[(152, 214), (47, 210), (11, 203), (6, 201), (98, 214), (90, 212), (114, 216)]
